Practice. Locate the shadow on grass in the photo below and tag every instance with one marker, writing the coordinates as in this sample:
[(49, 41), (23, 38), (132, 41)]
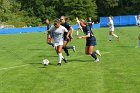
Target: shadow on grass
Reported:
[(46, 56), (37, 49), (35, 63), (79, 60), (126, 46)]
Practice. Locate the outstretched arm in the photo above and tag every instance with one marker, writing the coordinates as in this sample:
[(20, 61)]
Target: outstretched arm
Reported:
[(86, 36)]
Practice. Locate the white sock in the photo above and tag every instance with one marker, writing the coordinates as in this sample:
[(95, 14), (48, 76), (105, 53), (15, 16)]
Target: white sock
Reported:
[(60, 57), (110, 37), (115, 35), (77, 33)]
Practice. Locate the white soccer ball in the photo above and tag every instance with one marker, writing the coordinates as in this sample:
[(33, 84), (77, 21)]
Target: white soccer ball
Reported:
[(45, 62)]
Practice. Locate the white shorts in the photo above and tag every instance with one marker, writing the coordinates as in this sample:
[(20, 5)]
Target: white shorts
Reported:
[(58, 43), (111, 29)]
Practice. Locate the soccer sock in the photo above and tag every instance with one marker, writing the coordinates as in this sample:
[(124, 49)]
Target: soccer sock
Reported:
[(60, 57), (115, 35), (69, 47), (51, 44), (94, 55), (77, 33), (110, 37), (66, 51)]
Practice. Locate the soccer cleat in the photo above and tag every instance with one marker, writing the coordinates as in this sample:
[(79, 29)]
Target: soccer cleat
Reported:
[(74, 48), (97, 60), (98, 52), (64, 60), (58, 64)]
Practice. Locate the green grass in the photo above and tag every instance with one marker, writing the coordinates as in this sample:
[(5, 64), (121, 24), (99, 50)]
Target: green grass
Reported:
[(117, 72)]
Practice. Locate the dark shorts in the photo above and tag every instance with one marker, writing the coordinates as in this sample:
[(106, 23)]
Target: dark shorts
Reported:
[(90, 42)]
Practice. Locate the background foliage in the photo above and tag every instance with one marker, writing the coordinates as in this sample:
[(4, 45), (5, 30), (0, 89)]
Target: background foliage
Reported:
[(33, 12)]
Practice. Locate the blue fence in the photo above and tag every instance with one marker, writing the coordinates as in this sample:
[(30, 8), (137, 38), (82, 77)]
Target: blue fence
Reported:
[(119, 20), (22, 30), (33, 29)]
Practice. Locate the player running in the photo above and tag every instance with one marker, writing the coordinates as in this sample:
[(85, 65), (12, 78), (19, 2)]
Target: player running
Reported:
[(111, 26), (66, 41), (49, 37), (90, 41), (58, 32), (79, 26)]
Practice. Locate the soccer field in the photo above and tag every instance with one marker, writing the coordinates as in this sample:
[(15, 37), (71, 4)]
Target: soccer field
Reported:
[(118, 71)]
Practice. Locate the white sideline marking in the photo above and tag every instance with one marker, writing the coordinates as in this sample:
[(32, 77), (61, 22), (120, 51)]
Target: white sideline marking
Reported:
[(13, 67), (105, 53)]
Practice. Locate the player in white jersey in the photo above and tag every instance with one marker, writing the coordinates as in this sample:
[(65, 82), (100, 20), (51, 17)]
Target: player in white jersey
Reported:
[(57, 30), (79, 26), (138, 20), (111, 26)]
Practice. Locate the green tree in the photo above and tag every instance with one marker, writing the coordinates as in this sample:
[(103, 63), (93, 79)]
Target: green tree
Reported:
[(79, 8)]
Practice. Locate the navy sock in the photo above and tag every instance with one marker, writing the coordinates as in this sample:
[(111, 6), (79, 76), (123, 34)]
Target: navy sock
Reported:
[(94, 55), (66, 51), (51, 44), (69, 47)]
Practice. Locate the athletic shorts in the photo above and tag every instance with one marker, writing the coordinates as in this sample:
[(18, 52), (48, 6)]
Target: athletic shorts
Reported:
[(90, 42), (58, 43), (111, 29)]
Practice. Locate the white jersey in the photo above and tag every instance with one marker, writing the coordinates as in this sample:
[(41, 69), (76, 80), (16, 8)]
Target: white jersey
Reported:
[(78, 22), (138, 21), (58, 33), (111, 25)]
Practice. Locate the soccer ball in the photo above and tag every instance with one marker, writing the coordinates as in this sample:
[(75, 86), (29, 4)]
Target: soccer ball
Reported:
[(45, 62)]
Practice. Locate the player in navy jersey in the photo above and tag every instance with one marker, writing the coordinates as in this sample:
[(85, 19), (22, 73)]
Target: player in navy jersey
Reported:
[(90, 22), (66, 41), (49, 37), (90, 41)]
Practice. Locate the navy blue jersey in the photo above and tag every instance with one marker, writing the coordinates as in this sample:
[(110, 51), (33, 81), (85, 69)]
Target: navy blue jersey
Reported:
[(67, 26), (87, 30), (48, 26)]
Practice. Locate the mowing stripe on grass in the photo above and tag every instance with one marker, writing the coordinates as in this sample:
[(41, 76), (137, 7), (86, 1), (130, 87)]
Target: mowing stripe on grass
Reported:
[(13, 67)]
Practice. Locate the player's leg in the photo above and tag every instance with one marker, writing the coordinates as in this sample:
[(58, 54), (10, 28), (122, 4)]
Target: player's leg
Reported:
[(71, 47), (59, 52), (64, 47), (89, 51), (112, 32), (77, 32), (110, 35)]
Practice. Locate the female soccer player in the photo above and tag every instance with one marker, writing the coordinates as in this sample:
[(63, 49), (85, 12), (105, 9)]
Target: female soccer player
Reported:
[(58, 31), (79, 26), (111, 26), (66, 41), (90, 22), (49, 37), (90, 41), (138, 20)]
